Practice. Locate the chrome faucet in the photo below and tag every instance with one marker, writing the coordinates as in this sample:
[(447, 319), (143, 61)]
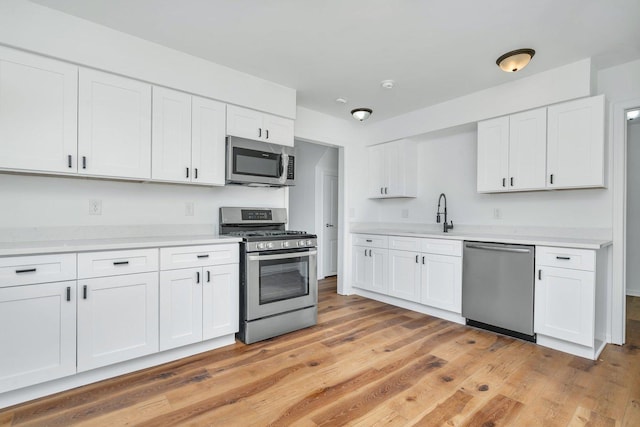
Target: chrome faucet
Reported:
[(447, 227)]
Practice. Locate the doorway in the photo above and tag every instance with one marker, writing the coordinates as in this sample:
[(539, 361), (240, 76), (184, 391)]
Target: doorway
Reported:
[(633, 227), (314, 201)]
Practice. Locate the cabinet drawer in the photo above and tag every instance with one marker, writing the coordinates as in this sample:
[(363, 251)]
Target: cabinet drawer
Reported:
[(25, 270), (198, 256), (404, 243), (113, 263), (577, 259), (442, 247), (371, 240)]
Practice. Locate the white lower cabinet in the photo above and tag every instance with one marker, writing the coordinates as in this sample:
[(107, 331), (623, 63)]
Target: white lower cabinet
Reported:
[(404, 275), (198, 303), (442, 282), (570, 300), (117, 319), (370, 263), (38, 333)]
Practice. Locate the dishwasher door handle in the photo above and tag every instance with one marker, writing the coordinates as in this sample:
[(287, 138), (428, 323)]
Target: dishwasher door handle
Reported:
[(500, 249)]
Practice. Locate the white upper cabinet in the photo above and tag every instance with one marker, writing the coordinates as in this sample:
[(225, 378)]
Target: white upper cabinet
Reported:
[(171, 149), (38, 113), (575, 138), (493, 154), (511, 152), (259, 126), (114, 126), (392, 169), (207, 141)]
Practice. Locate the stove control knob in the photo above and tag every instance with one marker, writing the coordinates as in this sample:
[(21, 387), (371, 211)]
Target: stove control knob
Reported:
[(308, 242), (285, 244), (270, 245), (260, 245), (302, 243)]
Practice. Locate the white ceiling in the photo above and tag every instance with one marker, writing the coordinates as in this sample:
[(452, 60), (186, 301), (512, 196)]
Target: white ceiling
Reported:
[(434, 50)]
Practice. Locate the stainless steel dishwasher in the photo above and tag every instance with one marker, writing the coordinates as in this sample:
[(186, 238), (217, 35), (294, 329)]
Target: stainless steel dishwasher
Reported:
[(497, 288)]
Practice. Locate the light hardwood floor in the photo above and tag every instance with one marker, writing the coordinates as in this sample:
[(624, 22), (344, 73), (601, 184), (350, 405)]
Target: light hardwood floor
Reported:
[(365, 364)]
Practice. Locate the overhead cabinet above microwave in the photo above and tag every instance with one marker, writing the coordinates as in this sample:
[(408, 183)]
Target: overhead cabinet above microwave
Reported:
[(555, 147), (259, 126)]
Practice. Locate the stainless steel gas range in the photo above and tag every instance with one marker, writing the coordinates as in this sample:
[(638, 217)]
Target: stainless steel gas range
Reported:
[(278, 272)]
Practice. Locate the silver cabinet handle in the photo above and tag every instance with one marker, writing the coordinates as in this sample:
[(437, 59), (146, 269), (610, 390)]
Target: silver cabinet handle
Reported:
[(70, 161), (539, 274), (504, 182), (84, 162), (512, 181), (381, 190), (267, 133), (564, 258), (551, 179), (417, 257), (328, 225), (259, 132), (423, 260), (385, 190)]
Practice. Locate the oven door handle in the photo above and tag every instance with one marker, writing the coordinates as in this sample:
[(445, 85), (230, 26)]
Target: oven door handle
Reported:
[(281, 256)]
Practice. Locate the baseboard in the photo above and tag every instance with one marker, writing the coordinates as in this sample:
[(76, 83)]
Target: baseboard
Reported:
[(633, 292)]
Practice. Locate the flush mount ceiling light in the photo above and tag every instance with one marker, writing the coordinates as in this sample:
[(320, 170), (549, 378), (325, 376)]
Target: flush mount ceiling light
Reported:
[(342, 100), (361, 113), (387, 84), (515, 60)]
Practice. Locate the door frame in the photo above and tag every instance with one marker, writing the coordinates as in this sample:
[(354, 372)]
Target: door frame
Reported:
[(618, 136), (320, 173)]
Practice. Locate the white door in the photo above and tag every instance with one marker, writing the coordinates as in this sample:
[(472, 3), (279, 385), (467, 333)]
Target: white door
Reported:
[(38, 333), (117, 319), (493, 155), (221, 300), (180, 307), (404, 275), (528, 150), (114, 126), (244, 123), (442, 282), (278, 130), (208, 141), (377, 179), (38, 113), (330, 224), (564, 305), (576, 143), (171, 136)]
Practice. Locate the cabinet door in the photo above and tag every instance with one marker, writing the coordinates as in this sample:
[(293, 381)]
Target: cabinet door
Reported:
[(377, 179), (394, 169), (38, 113), (38, 334), (493, 155), (207, 141), (278, 130), (379, 270), (528, 150), (442, 282), (114, 126), (564, 304), (404, 275), (220, 297), (244, 123), (180, 307), (117, 319), (171, 153), (575, 141), (360, 260)]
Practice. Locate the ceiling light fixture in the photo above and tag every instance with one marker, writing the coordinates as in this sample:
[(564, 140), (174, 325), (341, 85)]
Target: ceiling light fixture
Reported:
[(515, 60), (341, 100), (361, 113), (387, 84)]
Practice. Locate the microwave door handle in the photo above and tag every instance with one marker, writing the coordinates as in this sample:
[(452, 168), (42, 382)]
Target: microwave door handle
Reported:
[(281, 170), (281, 256)]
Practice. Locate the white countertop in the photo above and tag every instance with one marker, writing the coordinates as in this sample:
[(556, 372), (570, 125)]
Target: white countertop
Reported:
[(105, 244), (467, 233)]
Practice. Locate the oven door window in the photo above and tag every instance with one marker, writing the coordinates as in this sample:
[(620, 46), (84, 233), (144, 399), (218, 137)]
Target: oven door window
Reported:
[(282, 279)]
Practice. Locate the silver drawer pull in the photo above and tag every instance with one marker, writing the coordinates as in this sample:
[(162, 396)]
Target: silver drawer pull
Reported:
[(120, 262), (27, 270), (203, 256), (565, 258)]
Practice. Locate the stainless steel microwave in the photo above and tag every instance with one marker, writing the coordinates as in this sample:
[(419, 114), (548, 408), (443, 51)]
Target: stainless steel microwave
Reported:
[(258, 163)]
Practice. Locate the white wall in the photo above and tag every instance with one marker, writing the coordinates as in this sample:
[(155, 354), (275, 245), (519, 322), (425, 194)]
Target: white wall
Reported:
[(633, 208)]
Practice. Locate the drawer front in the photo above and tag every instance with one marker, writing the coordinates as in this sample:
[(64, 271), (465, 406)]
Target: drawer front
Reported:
[(25, 270), (442, 247), (114, 263), (404, 243), (577, 259), (198, 256), (371, 240)]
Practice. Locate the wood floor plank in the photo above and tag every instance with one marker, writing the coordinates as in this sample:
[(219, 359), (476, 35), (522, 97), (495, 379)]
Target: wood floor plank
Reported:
[(365, 364)]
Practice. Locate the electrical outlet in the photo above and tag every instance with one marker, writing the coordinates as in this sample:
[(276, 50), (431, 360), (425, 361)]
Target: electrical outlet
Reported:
[(95, 207), (497, 213), (405, 213), (189, 209)]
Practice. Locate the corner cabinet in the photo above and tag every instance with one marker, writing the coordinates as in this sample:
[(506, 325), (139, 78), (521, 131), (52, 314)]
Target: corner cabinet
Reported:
[(392, 169), (38, 113), (560, 146), (114, 126), (252, 124)]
